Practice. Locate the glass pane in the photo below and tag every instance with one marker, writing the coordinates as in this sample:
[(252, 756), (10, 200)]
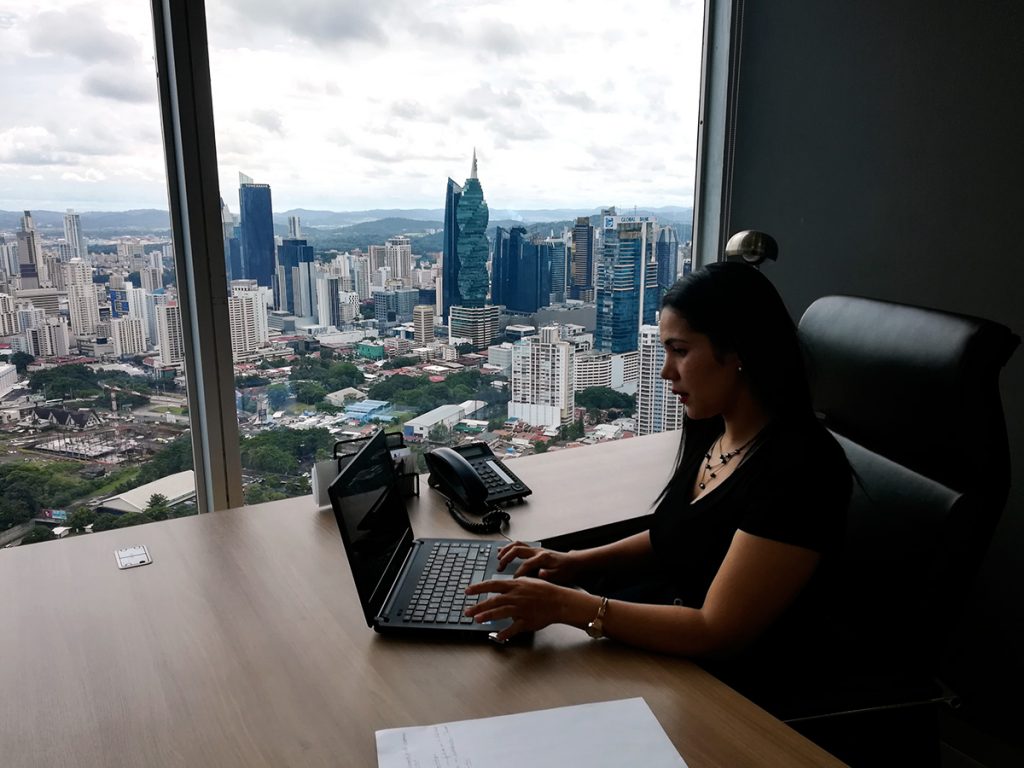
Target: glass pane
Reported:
[(93, 415), (412, 191)]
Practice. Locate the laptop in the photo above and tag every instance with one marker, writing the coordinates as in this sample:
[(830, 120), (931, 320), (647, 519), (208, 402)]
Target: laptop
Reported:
[(406, 585)]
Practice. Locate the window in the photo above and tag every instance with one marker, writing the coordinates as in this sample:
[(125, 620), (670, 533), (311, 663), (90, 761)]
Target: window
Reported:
[(354, 140), (94, 421)]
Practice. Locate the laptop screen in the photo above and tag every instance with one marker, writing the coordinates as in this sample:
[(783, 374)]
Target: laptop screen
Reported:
[(373, 521)]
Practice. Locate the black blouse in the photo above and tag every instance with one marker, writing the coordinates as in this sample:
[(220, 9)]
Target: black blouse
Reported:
[(793, 486)]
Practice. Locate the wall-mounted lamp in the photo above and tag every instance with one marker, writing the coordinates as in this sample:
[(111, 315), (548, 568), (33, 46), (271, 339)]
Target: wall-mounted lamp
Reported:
[(752, 247)]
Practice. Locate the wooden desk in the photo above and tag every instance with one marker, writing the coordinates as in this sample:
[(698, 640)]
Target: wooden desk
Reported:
[(243, 644)]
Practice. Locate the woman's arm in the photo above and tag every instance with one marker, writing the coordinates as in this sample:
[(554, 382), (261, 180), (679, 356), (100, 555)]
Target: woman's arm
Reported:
[(565, 567), (757, 580)]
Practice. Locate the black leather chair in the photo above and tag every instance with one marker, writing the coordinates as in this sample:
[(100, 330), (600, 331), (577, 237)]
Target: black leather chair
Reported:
[(912, 394)]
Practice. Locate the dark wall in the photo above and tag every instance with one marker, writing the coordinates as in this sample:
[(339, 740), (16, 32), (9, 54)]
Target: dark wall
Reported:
[(880, 143)]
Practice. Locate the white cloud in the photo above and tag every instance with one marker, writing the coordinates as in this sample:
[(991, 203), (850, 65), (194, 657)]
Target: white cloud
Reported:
[(352, 104)]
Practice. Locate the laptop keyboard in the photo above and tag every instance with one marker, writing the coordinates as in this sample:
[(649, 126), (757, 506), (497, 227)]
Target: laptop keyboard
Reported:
[(439, 596)]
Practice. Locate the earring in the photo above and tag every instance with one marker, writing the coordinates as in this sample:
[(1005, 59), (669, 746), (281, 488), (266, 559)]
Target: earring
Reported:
[(740, 369)]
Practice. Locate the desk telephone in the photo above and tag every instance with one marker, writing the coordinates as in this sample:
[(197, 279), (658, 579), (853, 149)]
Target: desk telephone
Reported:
[(472, 477)]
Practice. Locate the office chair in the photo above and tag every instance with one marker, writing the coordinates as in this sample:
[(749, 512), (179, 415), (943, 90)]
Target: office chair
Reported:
[(912, 395)]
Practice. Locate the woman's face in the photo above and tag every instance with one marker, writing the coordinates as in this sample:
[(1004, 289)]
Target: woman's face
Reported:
[(706, 385)]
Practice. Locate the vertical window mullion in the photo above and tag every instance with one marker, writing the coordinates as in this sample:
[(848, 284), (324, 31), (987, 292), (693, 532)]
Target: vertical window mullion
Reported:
[(186, 106)]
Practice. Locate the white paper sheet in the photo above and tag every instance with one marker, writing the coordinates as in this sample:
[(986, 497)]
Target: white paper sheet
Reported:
[(609, 734)]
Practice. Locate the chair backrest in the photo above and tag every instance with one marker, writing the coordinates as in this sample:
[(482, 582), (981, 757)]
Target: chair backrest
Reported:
[(920, 387), (899, 572)]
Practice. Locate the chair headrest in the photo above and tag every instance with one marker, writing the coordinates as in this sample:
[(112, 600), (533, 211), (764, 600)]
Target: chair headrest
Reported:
[(918, 386)]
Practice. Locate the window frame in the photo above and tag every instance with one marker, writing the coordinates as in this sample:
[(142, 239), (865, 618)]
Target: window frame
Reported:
[(186, 112), (186, 106)]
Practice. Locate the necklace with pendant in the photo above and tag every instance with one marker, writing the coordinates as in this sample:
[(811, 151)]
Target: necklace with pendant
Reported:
[(708, 472)]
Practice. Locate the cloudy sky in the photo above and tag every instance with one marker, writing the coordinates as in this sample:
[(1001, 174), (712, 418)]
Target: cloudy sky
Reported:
[(355, 104)]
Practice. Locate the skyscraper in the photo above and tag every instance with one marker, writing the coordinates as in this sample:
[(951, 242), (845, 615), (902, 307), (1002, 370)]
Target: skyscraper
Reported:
[(657, 409), (450, 251), (520, 271), (31, 266), (559, 267), (398, 258), (257, 231), (582, 267), (542, 380), (295, 278), (83, 309), (247, 315), (232, 246), (169, 335), (423, 321), (128, 335), (73, 235), (627, 287), (471, 217), (665, 254)]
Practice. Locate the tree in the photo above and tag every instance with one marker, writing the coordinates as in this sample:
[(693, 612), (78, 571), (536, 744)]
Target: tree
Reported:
[(277, 395), (309, 392), (439, 433), (540, 447), (21, 360), (37, 534), (80, 519), (104, 522), (158, 507), (604, 398)]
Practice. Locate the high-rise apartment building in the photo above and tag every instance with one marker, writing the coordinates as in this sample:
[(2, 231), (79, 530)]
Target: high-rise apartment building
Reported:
[(478, 324), (423, 322), (627, 282), (256, 230), (48, 338), (9, 324), (73, 236), (151, 278), (83, 307), (398, 258), (542, 380), (247, 315), (10, 274), (128, 335), (169, 335), (336, 305), (657, 409), (232, 247), (581, 270)]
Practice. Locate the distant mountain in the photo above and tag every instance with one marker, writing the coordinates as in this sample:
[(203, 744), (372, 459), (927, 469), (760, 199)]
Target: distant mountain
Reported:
[(95, 223), (378, 223)]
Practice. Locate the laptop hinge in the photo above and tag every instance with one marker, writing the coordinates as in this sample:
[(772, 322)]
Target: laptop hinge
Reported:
[(406, 564)]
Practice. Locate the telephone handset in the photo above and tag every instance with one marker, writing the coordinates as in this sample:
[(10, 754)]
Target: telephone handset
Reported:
[(472, 477)]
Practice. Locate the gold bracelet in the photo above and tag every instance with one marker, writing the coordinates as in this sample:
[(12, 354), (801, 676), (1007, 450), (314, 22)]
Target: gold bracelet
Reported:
[(596, 628)]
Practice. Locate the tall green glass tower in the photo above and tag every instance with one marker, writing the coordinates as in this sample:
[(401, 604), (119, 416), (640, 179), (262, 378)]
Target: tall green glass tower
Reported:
[(472, 216)]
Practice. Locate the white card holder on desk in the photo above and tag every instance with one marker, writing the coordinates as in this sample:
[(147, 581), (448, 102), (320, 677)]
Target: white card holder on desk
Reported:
[(131, 557)]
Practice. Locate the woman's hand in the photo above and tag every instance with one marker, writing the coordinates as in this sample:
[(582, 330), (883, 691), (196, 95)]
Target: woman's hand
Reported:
[(532, 604), (546, 564)]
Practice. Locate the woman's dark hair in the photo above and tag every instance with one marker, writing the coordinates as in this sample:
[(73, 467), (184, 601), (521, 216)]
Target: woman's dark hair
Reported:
[(740, 311)]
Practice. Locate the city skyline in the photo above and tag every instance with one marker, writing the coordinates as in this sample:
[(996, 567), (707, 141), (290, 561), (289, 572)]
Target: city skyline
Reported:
[(345, 107)]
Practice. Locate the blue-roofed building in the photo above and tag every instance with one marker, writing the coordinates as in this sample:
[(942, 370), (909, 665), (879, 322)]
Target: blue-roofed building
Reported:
[(369, 409)]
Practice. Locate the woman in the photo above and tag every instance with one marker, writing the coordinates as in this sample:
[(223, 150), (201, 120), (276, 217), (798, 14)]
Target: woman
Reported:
[(745, 531)]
